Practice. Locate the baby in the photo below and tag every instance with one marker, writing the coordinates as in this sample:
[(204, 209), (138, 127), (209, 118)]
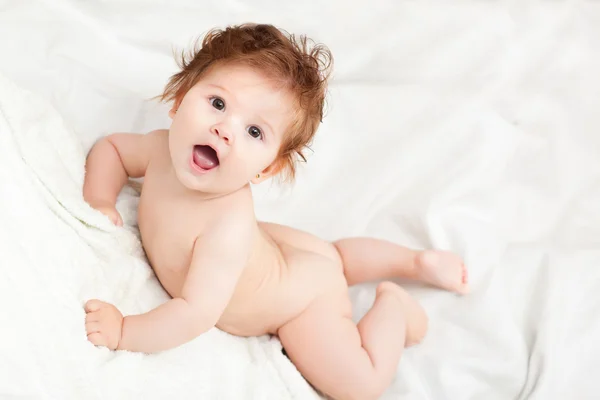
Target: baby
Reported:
[(245, 105)]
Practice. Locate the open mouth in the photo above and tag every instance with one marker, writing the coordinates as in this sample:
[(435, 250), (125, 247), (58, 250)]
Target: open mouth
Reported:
[(205, 157)]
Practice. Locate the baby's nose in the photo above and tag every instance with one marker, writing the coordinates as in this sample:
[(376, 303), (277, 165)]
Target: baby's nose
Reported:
[(222, 132)]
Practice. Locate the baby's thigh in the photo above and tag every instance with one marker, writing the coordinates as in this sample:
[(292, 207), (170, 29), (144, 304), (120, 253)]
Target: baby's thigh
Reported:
[(325, 346)]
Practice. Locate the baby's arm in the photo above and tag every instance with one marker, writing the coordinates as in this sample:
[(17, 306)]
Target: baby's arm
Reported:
[(214, 271), (111, 161)]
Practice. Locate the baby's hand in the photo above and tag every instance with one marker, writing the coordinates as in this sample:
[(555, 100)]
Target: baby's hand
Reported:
[(111, 212), (103, 323)]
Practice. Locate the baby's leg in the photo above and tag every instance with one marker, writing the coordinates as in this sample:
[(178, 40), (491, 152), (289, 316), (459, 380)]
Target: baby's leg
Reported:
[(346, 361), (368, 259)]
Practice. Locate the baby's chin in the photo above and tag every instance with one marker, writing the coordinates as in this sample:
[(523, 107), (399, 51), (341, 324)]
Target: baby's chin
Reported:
[(207, 184), (189, 181)]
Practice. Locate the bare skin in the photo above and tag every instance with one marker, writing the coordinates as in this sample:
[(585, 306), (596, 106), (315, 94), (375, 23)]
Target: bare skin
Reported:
[(225, 269)]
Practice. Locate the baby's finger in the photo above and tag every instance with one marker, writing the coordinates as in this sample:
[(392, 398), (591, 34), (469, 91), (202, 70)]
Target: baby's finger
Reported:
[(92, 317), (97, 339), (119, 220), (92, 327), (93, 305)]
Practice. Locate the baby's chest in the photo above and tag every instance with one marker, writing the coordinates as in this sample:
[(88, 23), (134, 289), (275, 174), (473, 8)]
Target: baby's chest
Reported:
[(168, 227), (165, 234)]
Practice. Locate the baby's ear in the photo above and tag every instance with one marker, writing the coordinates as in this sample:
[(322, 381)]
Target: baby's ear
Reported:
[(273, 169), (173, 109)]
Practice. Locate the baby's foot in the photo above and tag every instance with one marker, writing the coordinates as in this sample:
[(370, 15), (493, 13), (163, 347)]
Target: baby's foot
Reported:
[(443, 269), (416, 319)]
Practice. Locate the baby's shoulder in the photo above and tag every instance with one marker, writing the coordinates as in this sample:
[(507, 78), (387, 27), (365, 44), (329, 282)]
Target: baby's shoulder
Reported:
[(159, 139), (159, 134), (157, 145), (229, 230), (234, 213), (235, 210)]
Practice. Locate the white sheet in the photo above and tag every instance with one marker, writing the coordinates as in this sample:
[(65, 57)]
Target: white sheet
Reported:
[(463, 125)]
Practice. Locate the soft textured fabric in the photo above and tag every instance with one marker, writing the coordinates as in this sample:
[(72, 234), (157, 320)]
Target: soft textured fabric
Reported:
[(465, 125)]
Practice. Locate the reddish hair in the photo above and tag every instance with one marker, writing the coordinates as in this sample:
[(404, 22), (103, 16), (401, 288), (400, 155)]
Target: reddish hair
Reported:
[(301, 69)]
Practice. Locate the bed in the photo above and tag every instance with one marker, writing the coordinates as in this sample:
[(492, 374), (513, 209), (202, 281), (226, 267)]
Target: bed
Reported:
[(463, 125)]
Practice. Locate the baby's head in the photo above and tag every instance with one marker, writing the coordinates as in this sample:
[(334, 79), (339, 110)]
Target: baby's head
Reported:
[(245, 106)]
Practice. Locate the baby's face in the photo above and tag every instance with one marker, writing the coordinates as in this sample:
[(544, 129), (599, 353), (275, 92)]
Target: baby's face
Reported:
[(227, 129)]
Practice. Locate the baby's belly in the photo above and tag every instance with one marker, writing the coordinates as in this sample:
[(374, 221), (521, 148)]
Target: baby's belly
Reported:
[(283, 293)]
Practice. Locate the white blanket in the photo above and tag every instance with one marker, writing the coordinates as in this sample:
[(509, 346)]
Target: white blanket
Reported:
[(57, 252), (464, 125)]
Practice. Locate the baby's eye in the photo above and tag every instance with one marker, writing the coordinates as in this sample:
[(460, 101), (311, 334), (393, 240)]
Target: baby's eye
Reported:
[(254, 131), (217, 103)]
